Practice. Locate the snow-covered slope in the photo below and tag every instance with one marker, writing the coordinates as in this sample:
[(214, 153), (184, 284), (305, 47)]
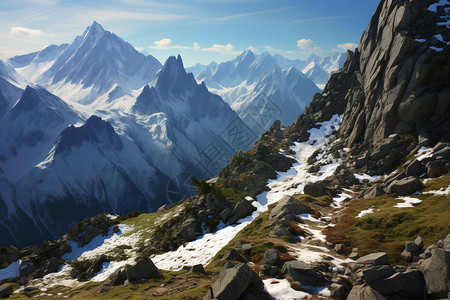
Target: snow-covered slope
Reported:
[(11, 85), (259, 90), (319, 69), (94, 64)]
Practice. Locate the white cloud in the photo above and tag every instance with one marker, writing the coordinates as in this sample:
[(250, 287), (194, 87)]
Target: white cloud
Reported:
[(165, 44), (195, 46), (140, 49), (253, 49), (308, 45), (26, 32), (347, 46), (224, 49)]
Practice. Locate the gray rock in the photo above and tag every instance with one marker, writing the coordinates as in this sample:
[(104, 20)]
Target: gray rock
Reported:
[(314, 189), (233, 282), (241, 210), (164, 207), (416, 168), (225, 214), (302, 272), (364, 292), (247, 248), (406, 186), (375, 273), (144, 268), (372, 192), (419, 242), (6, 290), (197, 269), (409, 282), (233, 255), (435, 271), (188, 229), (272, 257), (379, 258), (286, 206), (227, 265)]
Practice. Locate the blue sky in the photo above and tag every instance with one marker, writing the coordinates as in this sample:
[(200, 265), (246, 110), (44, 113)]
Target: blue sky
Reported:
[(200, 30)]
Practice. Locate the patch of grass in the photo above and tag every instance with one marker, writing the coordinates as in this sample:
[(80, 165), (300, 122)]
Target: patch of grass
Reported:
[(194, 294), (388, 227)]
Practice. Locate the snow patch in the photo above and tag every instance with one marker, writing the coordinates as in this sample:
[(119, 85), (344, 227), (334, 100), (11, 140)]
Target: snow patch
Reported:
[(444, 191), (408, 202), (365, 212), (362, 177)]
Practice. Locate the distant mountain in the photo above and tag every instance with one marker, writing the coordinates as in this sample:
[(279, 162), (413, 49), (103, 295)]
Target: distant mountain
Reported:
[(319, 69), (259, 90), (95, 64), (199, 67), (108, 143)]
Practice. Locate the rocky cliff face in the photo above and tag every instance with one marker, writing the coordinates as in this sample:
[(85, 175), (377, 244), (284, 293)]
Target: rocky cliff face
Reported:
[(397, 81)]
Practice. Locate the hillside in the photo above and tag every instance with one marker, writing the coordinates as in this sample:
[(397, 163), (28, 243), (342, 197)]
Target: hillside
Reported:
[(349, 202)]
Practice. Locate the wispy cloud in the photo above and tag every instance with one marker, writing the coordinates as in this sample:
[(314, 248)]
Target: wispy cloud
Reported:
[(27, 33), (309, 46), (165, 44), (249, 14), (321, 19), (224, 49), (347, 46)]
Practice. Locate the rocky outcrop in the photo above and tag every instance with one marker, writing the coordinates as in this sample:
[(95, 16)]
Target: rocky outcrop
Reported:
[(84, 231), (8, 255), (396, 82)]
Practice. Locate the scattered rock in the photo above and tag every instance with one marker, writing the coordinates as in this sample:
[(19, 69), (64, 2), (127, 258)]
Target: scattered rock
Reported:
[(235, 282), (365, 292), (406, 186), (144, 268), (288, 205), (409, 283), (371, 192), (435, 271), (315, 189), (379, 258), (306, 274), (241, 210), (197, 269), (375, 273), (233, 255), (272, 257)]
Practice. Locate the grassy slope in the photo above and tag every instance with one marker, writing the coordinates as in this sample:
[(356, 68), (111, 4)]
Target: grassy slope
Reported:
[(388, 228)]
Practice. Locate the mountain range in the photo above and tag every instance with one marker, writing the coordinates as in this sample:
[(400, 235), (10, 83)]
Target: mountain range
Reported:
[(88, 124), (351, 201)]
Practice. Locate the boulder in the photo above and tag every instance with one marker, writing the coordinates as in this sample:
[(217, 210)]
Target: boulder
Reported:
[(6, 290), (406, 186), (371, 192), (409, 283), (236, 282), (233, 255), (286, 206), (26, 267), (241, 210), (365, 292), (435, 271), (188, 229), (272, 257), (306, 274), (375, 273), (379, 258), (197, 269), (415, 169), (315, 189), (144, 268)]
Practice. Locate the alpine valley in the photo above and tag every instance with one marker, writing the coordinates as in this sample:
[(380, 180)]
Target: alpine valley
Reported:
[(299, 189)]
